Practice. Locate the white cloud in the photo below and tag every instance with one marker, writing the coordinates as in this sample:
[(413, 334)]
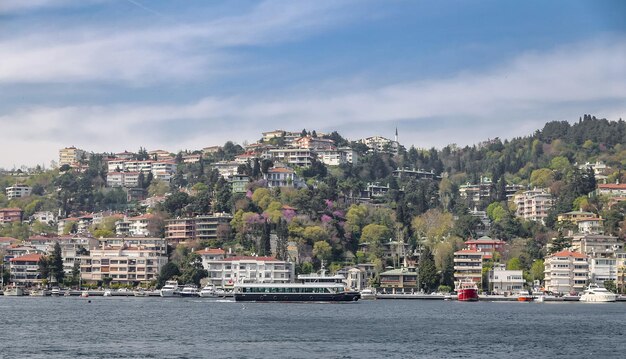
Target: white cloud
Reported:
[(512, 100), (141, 54)]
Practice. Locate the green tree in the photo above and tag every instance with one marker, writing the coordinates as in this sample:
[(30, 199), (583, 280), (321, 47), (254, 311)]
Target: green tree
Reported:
[(514, 264), (322, 250), (537, 270), (428, 278), (56, 263), (168, 271)]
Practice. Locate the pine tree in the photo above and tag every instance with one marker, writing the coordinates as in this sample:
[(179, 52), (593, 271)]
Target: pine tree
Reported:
[(428, 278)]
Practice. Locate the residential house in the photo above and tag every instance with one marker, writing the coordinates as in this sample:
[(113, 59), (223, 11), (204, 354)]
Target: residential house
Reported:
[(486, 245), (144, 225), (18, 191), (399, 280), (204, 227), (381, 144), (239, 183), (9, 215), (302, 157), (616, 192), (504, 281), (282, 177), (44, 217)]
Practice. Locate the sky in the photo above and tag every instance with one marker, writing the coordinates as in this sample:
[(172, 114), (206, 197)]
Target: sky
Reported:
[(115, 75)]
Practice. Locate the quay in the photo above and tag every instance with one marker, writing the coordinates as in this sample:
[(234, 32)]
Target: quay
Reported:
[(484, 298)]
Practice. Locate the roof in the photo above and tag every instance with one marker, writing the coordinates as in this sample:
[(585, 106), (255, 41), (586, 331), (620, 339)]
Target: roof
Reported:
[(569, 254), (613, 186), (143, 216), (8, 239), (468, 251), (402, 271), (281, 170), (27, 258), (251, 258), (211, 251), (12, 209)]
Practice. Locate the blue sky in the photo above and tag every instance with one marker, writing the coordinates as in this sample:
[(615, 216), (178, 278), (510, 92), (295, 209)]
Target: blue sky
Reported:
[(114, 75)]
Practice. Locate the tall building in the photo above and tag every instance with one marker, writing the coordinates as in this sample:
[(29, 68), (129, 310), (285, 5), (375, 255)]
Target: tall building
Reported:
[(70, 155), (566, 272), (533, 205), (17, 191), (204, 227), (468, 264)]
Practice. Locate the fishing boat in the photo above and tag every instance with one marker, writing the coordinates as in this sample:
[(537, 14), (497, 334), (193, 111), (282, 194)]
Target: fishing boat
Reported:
[(467, 291)]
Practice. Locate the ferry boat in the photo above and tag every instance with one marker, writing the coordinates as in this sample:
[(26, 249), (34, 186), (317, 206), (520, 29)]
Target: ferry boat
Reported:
[(170, 289), (524, 296), (467, 291), (597, 294), (294, 292)]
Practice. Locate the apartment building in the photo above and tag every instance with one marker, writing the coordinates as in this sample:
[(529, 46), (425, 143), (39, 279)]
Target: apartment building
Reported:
[(70, 155), (124, 265), (468, 264), (9, 215), (533, 205), (566, 272), (139, 226), (227, 271), (24, 270), (204, 227), (503, 281)]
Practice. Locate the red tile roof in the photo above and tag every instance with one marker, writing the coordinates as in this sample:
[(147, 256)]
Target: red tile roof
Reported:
[(27, 258), (280, 170), (9, 239), (569, 254)]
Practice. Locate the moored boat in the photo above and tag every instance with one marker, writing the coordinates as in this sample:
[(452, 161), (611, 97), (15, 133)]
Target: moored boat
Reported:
[(189, 290), (208, 291), (467, 291), (294, 292), (13, 292), (597, 294), (524, 296), (170, 289), (368, 293)]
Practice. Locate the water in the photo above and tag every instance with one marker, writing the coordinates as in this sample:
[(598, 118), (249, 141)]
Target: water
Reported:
[(62, 327)]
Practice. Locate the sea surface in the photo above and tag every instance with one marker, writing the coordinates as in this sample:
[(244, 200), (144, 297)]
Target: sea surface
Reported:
[(114, 327)]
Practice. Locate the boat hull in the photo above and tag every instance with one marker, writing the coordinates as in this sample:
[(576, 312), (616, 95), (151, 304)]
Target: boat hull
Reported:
[(525, 299), (297, 297), (467, 295), (598, 298)]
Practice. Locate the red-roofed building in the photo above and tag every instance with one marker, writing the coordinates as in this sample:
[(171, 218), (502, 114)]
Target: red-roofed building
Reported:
[(486, 245), (566, 272), (250, 269), (8, 215), (25, 269), (468, 264), (8, 241)]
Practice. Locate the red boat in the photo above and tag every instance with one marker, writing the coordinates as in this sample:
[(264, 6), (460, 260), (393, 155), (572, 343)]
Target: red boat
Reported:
[(524, 296), (467, 291)]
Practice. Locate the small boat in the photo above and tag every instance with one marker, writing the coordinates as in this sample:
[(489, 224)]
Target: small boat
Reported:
[(107, 293), (368, 293), (141, 293), (189, 290), (13, 292), (170, 289), (597, 294), (467, 291), (524, 296), (208, 291), (38, 293), (84, 294), (55, 291)]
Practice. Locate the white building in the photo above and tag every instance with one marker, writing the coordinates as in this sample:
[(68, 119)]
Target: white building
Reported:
[(228, 271), (44, 217), (337, 156), (503, 281), (602, 269), (70, 155), (281, 177), (566, 272), (381, 144), (140, 226), (18, 191), (468, 264)]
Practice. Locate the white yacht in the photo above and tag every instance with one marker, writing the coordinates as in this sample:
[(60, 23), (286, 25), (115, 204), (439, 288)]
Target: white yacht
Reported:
[(107, 293), (208, 291), (55, 291), (13, 292), (189, 290), (597, 294), (368, 293), (170, 289)]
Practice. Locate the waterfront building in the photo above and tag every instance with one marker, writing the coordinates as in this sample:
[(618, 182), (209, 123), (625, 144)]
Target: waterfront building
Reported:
[(399, 280), (620, 262), (126, 260), (17, 191), (248, 269), (468, 265), (504, 281), (566, 272), (24, 270), (533, 205), (602, 269)]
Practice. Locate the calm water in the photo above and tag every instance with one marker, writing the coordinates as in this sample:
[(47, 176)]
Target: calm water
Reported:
[(116, 327)]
